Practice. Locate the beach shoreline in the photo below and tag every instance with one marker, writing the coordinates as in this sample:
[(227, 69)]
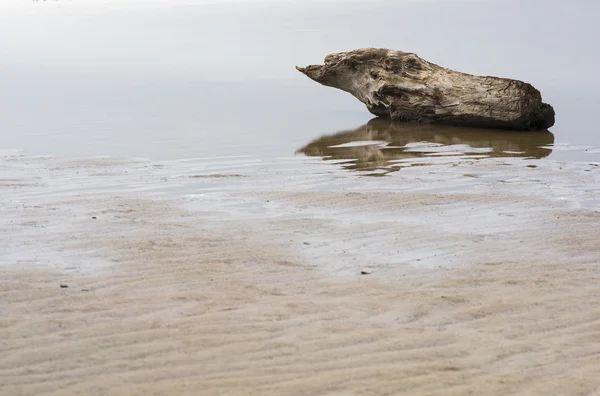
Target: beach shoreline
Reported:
[(239, 277)]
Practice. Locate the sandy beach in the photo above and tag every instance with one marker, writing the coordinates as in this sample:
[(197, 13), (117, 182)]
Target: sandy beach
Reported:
[(182, 212), (237, 276)]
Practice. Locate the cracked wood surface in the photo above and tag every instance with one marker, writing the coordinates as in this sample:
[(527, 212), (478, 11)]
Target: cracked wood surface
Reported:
[(403, 86)]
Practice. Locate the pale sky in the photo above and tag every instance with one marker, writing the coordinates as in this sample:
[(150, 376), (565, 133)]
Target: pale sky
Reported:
[(529, 39), (121, 76), (27, 4)]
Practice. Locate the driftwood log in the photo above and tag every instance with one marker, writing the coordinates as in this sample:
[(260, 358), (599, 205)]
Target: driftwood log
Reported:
[(400, 138), (402, 86)]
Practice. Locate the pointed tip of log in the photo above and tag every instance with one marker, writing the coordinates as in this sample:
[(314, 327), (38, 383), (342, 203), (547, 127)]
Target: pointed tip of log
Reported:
[(301, 69), (314, 72)]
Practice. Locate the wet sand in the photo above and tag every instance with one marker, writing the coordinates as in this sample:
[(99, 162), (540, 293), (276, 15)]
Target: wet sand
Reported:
[(242, 276)]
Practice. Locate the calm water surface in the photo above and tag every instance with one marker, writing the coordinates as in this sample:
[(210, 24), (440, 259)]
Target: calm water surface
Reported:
[(169, 80)]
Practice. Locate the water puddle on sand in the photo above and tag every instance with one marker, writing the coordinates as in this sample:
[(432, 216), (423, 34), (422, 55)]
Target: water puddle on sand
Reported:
[(383, 145), (448, 197)]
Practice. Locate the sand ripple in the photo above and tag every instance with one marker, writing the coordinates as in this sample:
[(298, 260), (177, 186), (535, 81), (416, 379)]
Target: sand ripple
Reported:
[(240, 276)]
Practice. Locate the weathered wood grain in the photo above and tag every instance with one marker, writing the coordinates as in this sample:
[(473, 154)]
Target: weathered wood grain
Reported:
[(403, 86)]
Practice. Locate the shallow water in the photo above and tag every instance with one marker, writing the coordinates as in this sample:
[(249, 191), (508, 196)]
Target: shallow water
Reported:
[(200, 106), (173, 80)]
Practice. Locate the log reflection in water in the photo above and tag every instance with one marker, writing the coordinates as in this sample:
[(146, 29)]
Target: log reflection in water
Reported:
[(381, 142)]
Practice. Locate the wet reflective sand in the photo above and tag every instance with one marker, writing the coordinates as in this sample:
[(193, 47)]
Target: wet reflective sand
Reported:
[(220, 275), (382, 143)]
